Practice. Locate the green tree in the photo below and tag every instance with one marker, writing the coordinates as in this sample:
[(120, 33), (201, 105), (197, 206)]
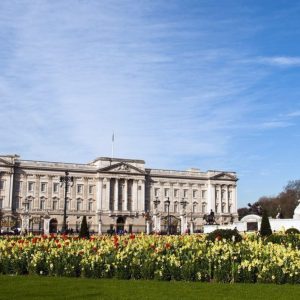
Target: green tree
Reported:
[(84, 231), (265, 228), (285, 202)]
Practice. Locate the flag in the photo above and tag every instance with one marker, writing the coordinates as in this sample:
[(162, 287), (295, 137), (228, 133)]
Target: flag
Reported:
[(113, 137)]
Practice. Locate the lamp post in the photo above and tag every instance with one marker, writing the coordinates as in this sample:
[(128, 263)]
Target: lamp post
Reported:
[(167, 202), (68, 181), (156, 202)]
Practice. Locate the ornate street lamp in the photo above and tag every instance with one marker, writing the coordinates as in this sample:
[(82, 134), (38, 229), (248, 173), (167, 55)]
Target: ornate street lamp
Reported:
[(156, 202), (167, 202), (68, 181), (183, 203)]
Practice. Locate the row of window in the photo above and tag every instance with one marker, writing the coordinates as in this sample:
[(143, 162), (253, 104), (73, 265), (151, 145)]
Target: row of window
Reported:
[(195, 193), (195, 208), (55, 206), (176, 193), (44, 186), (176, 206)]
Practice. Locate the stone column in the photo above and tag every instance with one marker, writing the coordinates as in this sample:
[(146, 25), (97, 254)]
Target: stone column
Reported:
[(182, 230), (49, 192), (36, 200), (226, 199), (73, 200), (234, 200), (125, 195), (25, 223), (11, 181), (148, 227), (134, 195), (46, 225), (7, 190), (209, 199), (107, 194), (142, 195), (154, 222), (191, 227), (99, 194), (100, 227), (116, 194)]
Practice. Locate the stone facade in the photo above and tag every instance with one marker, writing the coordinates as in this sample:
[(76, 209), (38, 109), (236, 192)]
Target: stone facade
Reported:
[(114, 194)]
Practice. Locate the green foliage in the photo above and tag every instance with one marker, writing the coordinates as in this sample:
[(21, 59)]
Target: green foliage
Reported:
[(292, 240), (227, 234), (292, 231), (265, 228), (188, 258), (84, 231), (285, 202)]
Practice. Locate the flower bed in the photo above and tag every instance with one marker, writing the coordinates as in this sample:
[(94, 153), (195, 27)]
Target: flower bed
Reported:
[(189, 257)]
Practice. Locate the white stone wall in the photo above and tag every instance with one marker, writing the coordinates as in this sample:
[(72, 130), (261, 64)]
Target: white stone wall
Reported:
[(96, 181)]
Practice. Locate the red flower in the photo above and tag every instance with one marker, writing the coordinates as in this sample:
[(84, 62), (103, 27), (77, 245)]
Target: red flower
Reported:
[(58, 245), (132, 236), (168, 245)]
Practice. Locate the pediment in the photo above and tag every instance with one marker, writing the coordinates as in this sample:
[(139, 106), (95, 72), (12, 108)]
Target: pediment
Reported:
[(224, 176), (5, 162), (122, 167)]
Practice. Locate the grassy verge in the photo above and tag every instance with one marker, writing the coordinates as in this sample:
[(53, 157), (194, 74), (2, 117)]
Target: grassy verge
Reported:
[(34, 287)]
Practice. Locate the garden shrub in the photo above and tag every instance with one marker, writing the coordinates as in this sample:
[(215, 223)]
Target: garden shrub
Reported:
[(284, 239), (84, 231), (265, 228), (227, 234), (292, 231)]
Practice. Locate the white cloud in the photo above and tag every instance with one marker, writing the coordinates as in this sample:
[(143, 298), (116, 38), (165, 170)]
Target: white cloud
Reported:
[(70, 81), (285, 61), (293, 114)]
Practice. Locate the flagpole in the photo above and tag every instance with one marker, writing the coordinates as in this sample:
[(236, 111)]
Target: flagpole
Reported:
[(112, 145)]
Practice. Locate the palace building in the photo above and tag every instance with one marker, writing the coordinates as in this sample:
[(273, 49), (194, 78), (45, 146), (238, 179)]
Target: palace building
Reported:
[(114, 194)]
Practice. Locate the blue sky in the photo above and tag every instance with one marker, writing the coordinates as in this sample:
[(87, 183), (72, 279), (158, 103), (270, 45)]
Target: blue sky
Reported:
[(207, 84)]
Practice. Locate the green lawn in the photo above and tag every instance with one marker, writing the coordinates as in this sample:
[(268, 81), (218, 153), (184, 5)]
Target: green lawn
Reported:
[(32, 287)]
